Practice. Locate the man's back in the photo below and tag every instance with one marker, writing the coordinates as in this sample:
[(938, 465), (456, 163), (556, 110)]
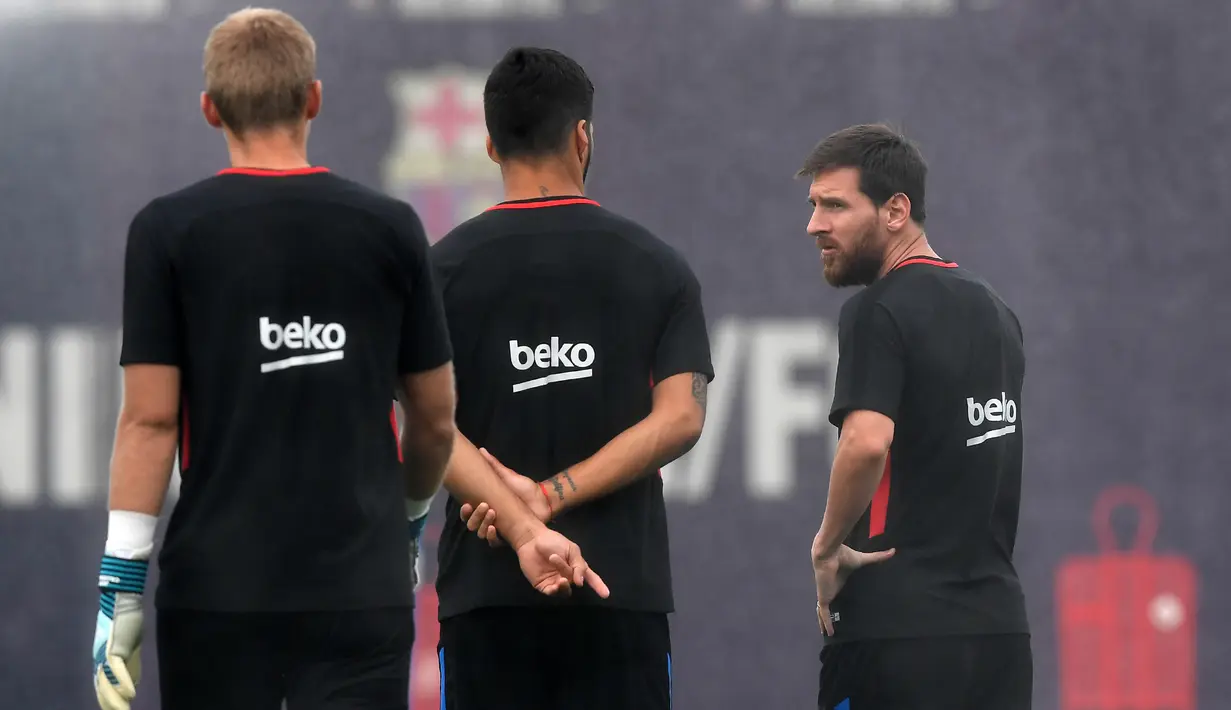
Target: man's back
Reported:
[(949, 498), (295, 306), (562, 315)]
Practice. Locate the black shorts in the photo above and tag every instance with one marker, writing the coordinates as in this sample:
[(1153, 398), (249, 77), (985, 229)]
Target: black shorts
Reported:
[(939, 673), (315, 661), (555, 659)]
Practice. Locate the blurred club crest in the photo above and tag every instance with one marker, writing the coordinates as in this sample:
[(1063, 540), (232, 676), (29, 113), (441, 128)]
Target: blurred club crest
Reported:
[(438, 161)]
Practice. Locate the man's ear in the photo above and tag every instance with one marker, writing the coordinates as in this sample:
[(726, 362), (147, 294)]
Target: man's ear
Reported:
[(584, 135), (210, 111), (315, 97), (898, 212)]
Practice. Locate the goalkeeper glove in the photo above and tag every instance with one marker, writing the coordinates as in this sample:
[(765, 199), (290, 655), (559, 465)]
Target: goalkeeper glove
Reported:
[(117, 634)]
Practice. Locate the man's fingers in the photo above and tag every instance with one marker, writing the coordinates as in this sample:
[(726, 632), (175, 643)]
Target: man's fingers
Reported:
[(822, 615), (476, 518), (487, 530), (871, 558), (555, 587), (490, 533), (495, 462), (596, 583), (563, 568), (467, 509), (578, 566)]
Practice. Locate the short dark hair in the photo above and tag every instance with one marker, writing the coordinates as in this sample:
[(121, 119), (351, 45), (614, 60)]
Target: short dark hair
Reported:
[(888, 163), (532, 99)]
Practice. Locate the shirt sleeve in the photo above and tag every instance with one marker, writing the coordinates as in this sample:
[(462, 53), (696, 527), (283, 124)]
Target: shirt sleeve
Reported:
[(684, 345), (425, 333), (152, 328), (871, 361)]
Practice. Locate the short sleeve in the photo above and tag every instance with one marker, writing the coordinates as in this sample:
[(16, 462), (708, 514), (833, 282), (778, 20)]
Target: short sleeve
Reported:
[(152, 330), (684, 345), (425, 334), (871, 361)]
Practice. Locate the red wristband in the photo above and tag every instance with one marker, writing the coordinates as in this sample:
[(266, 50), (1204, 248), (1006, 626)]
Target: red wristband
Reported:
[(543, 488)]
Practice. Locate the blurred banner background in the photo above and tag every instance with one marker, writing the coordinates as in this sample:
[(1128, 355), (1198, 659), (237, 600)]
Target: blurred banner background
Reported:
[(1079, 161)]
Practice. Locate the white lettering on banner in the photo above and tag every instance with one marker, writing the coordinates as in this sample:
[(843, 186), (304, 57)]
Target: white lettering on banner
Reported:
[(75, 471), (476, 9), (690, 479), (19, 414), (871, 7), (778, 408), (73, 382), (58, 10)]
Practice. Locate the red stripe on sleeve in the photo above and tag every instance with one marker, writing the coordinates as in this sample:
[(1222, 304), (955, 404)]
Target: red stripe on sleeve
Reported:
[(393, 423), (880, 504)]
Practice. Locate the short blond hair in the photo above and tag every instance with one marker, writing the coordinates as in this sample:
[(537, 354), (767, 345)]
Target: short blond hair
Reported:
[(259, 64)]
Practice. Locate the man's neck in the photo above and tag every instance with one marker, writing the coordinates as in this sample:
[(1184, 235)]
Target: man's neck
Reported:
[(527, 181), (278, 149), (907, 248)]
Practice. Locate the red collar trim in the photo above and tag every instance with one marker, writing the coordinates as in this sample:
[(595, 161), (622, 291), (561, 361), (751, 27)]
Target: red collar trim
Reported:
[(927, 260), (262, 172), (534, 204)]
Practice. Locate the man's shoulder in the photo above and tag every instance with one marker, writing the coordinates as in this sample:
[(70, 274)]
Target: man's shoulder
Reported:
[(860, 299), (641, 236), (223, 191), (619, 230), (927, 298)]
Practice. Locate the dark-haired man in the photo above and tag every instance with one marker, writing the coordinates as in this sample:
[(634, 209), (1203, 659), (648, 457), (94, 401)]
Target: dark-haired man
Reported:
[(582, 361), (926, 481)]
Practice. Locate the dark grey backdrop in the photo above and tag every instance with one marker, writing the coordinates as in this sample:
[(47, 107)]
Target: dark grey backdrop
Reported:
[(1078, 160)]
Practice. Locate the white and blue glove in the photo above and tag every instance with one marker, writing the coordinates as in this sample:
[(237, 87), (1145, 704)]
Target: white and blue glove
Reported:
[(121, 583), (117, 635)]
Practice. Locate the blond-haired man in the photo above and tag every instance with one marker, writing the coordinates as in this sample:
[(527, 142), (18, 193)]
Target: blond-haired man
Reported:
[(269, 311)]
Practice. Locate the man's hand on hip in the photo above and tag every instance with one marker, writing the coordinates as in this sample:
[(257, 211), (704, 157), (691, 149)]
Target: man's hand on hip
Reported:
[(832, 571)]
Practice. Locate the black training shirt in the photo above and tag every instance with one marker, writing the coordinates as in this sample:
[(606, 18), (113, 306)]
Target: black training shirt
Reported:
[(933, 348), (562, 315), (290, 302)]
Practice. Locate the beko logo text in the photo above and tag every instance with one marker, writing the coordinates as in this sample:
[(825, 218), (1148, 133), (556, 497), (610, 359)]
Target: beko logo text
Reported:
[(302, 335), (552, 354), (1003, 410)]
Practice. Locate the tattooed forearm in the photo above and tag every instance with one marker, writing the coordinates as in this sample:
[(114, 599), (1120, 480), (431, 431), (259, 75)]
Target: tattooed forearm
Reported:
[(557, 483), (699, 384)]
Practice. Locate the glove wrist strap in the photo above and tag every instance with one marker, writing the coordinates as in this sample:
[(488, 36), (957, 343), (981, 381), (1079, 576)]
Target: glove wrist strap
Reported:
[(120, 575)]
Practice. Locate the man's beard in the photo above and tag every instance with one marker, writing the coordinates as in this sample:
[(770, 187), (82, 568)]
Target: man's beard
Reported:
[(859, 266)]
